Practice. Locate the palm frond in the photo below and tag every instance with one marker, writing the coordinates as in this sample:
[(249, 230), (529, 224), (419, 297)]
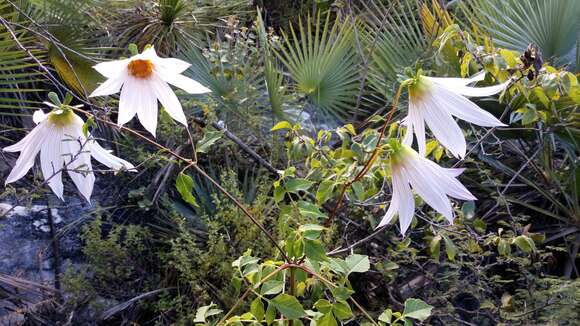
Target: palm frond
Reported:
[(172, 25), (272, 77), (20, 76), (396, 39), (323, 63), (552, 25)]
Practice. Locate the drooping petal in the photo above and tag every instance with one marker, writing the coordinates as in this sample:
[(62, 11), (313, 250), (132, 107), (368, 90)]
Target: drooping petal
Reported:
[(110, 86), (453, 82), (481, 91), (416, 116), (105, 157), (24, 142), (446, 179), (422, 181), (147, 107), (444, 128), (78, 161), (187, 84), (391, 211), (28, 147), (169, 100), (112, 69), (408, 138), (454, 172), (464, 109), (129, 101), (51, 160), (406, 202)]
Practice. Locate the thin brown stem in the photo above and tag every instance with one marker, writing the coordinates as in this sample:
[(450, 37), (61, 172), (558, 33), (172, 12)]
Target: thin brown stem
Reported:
[(370, 161), (249, 290), (194, 165)]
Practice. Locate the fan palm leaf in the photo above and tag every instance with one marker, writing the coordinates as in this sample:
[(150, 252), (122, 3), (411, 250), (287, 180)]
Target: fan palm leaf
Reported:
[(322, 63), (552, 25)]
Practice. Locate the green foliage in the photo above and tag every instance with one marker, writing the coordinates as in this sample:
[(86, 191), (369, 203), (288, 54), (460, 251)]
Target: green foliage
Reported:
[(394, 39), (513, 24), (322, 62), (114, 255), (175, 230)]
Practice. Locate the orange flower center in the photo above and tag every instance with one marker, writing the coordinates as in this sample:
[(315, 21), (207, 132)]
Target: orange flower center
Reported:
[(140, 68)]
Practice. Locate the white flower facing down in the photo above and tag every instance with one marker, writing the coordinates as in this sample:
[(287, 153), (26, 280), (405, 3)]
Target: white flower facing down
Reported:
[(412, 172), (436, 101), (59, 138), (143, 79)]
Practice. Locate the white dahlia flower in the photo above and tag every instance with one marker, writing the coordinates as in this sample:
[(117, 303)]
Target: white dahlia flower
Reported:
[(412, 172), (143, 79), (59, 138), (436, 101)]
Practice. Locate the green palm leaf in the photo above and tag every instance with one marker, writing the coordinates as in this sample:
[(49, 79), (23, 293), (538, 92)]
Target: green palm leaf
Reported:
[(395, 40), (553, 25), (323, 64)]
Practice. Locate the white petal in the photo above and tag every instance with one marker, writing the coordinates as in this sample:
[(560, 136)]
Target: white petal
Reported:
[(187, 84), (453, 82), (464, 109), (446, 179), (105, 157), (51, 160), (418, 121), (110, 86), (454, 172), (422, 181), (170, 65), (408, 138), (128, 101), (148, 54), (393, 208), (147, 107), (405, 201), (79, 169), (481, 91), (169, 100), (28, 153), (112, 69), (24, 142), (38, 116), (444, 128)]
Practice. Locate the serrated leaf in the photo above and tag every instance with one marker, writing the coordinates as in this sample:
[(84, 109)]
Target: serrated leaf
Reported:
[(386, 316), (308, 209), (288, 306), (272, 287), (311, 231), (257, 309), (184, 185), (323, 305), (314, 250), (357, 264), (417, 309), (296, 185), (341, 310), (327, 320), (270, 314)]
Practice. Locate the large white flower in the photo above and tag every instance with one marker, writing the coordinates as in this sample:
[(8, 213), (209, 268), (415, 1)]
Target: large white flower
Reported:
[(59, 138), (436, 101), (143, 79), (430, 181)]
